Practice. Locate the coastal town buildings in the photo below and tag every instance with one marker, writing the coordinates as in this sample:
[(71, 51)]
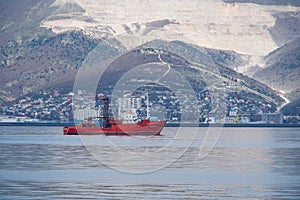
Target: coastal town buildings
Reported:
[(57, 106)]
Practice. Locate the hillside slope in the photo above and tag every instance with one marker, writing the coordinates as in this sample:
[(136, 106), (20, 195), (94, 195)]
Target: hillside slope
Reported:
[(41, 63), (282, 69), (196, 64)]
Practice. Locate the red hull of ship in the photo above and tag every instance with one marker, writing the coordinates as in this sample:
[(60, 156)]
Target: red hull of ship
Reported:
[(144, 128)]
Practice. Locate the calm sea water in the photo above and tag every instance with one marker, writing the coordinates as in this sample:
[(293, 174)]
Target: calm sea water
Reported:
[(245, 163)]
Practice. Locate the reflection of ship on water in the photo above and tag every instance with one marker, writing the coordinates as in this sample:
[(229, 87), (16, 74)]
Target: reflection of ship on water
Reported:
[(143, 127)]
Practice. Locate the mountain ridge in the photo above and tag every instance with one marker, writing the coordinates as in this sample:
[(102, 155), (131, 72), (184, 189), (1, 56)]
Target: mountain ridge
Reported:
[(282, 69), (45, 43)]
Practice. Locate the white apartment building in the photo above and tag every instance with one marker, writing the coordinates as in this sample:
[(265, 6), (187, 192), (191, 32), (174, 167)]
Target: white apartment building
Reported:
[(127, 108)]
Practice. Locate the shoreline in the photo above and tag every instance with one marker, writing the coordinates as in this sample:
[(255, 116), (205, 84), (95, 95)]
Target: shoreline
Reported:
[(167, 125)]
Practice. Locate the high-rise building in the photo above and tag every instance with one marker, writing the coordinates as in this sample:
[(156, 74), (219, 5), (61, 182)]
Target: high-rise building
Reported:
[(127, 108)]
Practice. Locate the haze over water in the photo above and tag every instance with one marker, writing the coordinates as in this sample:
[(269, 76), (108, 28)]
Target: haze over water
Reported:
[(246, 163)]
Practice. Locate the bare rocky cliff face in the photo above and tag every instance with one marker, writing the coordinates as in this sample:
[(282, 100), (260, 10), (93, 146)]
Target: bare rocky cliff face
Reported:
[(44, 43), (244, 28)]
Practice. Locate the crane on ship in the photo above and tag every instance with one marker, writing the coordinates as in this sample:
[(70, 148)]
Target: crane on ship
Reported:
[(89, 120)]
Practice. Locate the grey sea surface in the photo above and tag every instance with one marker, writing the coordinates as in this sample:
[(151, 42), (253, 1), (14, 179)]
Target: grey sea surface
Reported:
[(229, 163)]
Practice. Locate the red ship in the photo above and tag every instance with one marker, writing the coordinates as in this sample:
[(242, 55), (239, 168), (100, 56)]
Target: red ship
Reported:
[(142, 127)]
